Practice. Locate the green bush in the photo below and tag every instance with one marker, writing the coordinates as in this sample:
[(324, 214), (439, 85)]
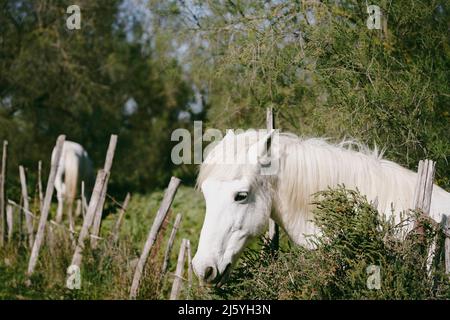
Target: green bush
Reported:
[(354, 236)]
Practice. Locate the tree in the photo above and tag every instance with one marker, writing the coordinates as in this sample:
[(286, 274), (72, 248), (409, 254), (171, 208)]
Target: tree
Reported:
[(88, 84), (326, 73)]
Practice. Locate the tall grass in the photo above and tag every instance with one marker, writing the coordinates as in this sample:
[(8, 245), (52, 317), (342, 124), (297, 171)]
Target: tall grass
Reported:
[(353, 237), (107, 271)]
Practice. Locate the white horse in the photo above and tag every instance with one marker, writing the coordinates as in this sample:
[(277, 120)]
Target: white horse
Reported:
[(241, 197), (74, 166)]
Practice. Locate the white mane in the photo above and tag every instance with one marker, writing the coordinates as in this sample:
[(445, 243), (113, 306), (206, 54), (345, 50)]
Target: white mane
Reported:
[(311, 165)]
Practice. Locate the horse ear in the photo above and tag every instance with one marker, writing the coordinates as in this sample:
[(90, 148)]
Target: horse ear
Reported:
[(229, 134), (260, 151)]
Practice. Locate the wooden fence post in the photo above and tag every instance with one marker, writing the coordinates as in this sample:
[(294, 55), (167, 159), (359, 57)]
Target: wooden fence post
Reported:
[(41, 195), (88, 219), (117, 226), (159, 219), (189, 256), (422, 200), (446, 225), (274, 230), (173, 233), (424, 186), (20, 222), (46, 206), (99, 210), (26, 206), (2, 195), (78, 209), (10, 221), (84, 204), (178, 280)]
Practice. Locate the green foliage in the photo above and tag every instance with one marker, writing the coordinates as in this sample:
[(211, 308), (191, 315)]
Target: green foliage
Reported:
[(87, 84), (326, 74), (353, 237)]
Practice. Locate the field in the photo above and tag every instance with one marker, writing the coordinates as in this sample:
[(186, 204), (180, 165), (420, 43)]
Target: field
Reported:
[(107, 272), (336, 270)]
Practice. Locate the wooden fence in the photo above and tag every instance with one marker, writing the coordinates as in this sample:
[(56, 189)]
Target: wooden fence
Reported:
[(91, 213)]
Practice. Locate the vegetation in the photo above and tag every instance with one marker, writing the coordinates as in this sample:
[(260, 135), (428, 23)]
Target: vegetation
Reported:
[(87, 84), (354, 237), (107, 271), (324, 72)]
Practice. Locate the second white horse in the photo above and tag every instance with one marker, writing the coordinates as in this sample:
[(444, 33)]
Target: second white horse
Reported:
[(74, 167)]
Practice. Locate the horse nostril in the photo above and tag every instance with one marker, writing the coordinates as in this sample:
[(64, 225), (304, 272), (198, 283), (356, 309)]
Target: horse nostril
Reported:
[(210, 274)]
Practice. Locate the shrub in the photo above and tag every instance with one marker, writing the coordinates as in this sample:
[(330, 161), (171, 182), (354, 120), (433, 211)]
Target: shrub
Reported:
[(353, 236)]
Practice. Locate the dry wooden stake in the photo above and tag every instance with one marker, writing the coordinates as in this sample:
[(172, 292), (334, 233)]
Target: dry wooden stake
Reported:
[(41, 195), (422, 200), (424, 186), (99, 210), (173, 233), (46, 205), (21, 210), (84, 204), (78, 208), (123, 209), (60, 209), (2, 195), (27, 212), (447, 243), (188, 251), (88, 219), (9, 220), (20, 224), (178, 280), (26, 207), (71, 228), (159, 219), (274, 230)]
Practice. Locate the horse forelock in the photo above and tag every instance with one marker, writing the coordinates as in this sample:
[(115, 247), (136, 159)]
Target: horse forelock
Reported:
[(228, 159)]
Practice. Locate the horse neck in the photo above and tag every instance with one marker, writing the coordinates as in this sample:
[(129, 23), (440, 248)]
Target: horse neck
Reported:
[(309, 166)]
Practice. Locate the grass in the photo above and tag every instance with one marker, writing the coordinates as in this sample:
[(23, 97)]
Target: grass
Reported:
[(108, 270), (354, 237)]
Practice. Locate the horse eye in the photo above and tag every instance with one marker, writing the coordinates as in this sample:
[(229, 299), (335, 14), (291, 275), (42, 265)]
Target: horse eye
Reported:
[(241, 196)]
